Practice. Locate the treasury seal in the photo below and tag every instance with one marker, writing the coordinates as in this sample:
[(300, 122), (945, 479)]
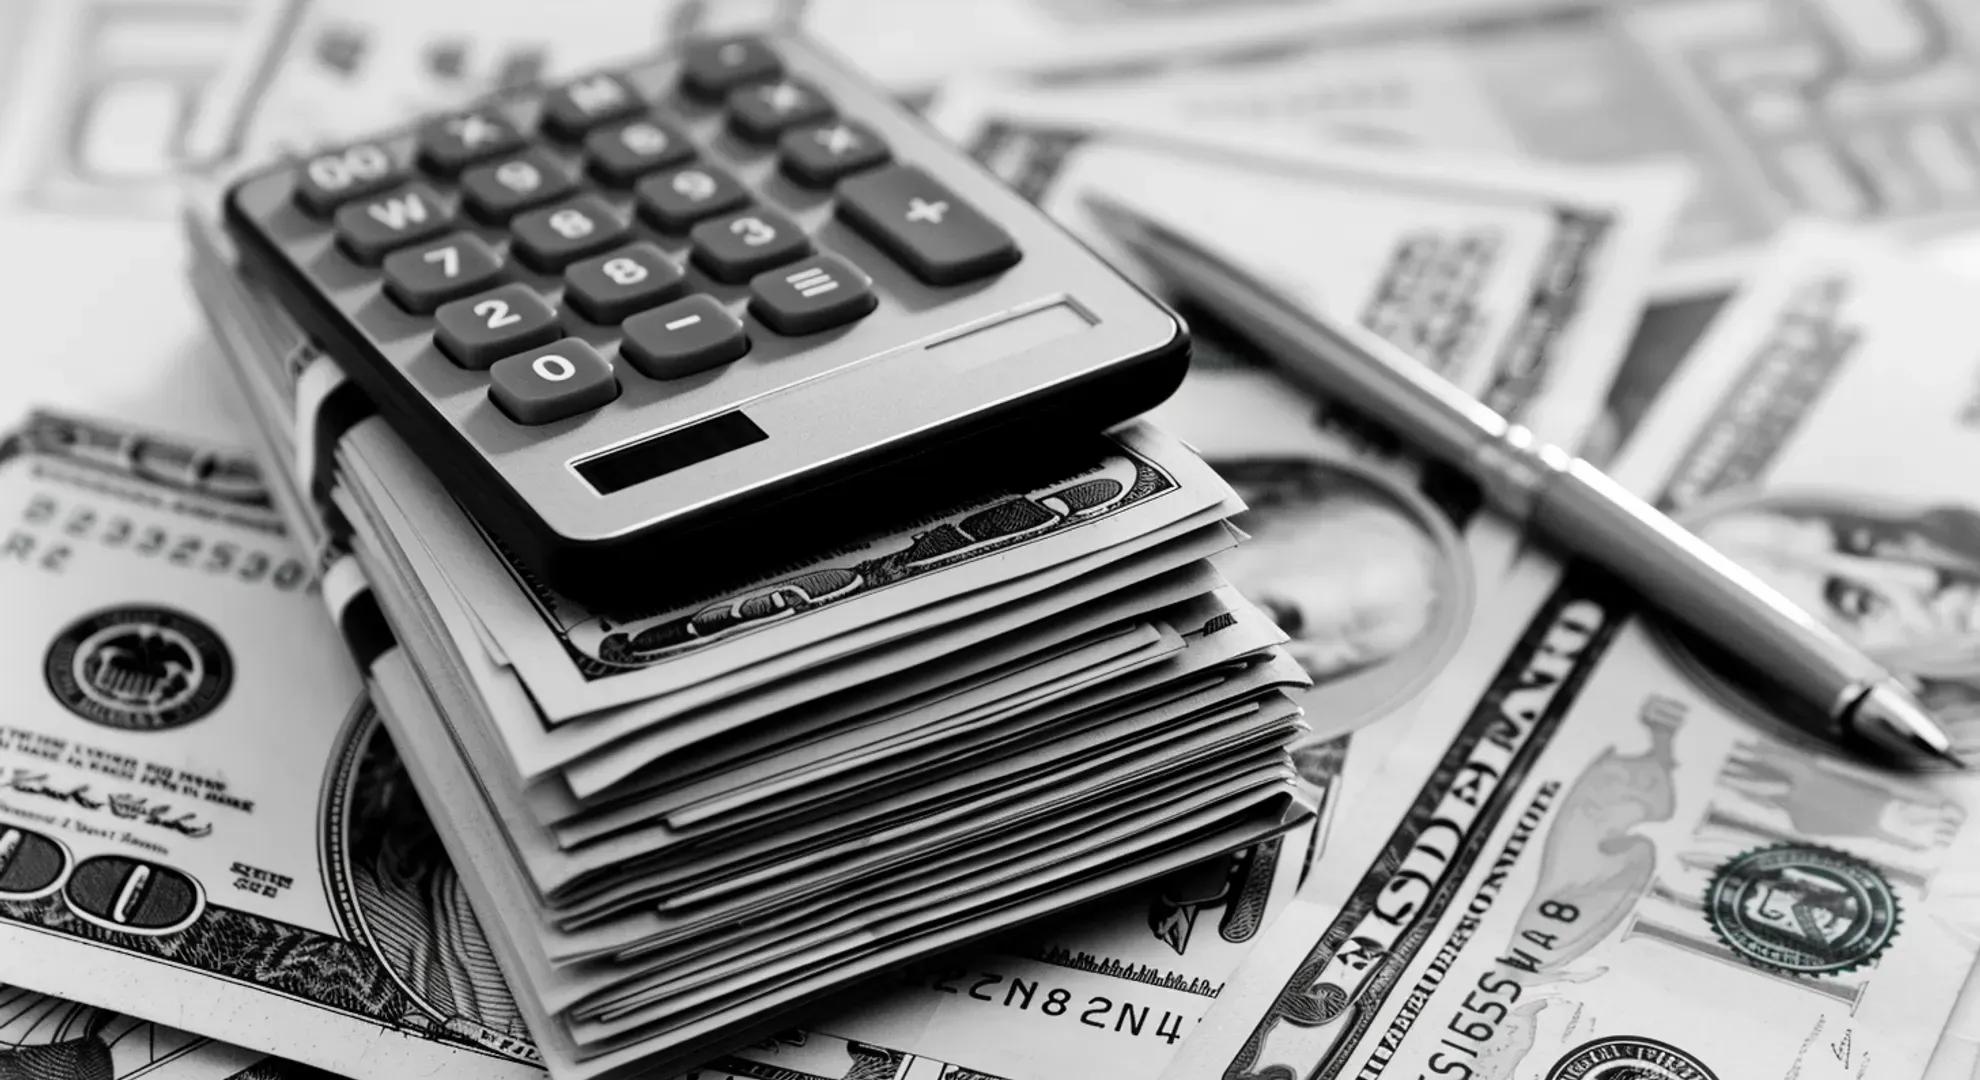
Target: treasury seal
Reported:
[(139, 668), (1802, 909), (1629, 1057)]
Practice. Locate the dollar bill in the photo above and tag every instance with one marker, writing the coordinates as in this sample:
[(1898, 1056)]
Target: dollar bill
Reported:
[(1521, 284), (1116, 988), (913, 47), (48, 1037), (1862, 112), (1601, 844), (200, 819)]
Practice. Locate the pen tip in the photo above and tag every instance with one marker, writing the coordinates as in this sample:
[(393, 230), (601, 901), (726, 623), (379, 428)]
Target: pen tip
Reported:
[(1891, 717)]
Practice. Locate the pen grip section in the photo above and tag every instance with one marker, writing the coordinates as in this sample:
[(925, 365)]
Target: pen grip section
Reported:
[(1707, 592)]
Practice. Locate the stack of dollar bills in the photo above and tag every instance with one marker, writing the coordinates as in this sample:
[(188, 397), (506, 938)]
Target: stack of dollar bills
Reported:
[(678, 824)]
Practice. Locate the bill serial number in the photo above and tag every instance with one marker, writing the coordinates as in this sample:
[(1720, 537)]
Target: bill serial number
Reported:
[(53, 528)]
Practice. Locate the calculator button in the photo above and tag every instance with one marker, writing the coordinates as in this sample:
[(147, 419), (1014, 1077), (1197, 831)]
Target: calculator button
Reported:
[(424, 277), (763, 111), (911, 216), (711, 69), (819, 155), (328, 180), (675, 200), (554, 382), (689, 335), (817, 294), (496, 192), (552, 237), (582, 104), (368, 228), (452, 143), (628, 151), (616, 284), (740, 246), (480, 330)]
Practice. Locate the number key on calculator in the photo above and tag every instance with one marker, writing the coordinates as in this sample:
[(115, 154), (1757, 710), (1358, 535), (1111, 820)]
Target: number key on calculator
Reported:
[(677, 307)]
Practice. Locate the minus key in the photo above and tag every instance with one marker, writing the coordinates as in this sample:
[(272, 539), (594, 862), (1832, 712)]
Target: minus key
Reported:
[(691, 334)]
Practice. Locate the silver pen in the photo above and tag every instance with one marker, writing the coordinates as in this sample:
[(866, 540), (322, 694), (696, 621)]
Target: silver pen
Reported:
[(1575, 504)]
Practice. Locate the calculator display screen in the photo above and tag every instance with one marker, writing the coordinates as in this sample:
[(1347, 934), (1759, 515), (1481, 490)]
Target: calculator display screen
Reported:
[(639, 462)]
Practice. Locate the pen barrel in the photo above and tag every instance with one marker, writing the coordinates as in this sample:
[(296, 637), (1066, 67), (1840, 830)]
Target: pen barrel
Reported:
[(1700, 588)]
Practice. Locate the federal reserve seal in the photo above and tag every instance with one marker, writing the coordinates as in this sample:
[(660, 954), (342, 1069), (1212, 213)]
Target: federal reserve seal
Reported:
[(1802, 909), (1629, 1057), (139, 668)]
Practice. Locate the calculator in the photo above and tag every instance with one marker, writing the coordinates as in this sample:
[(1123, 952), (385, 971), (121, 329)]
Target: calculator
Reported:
[(687, 306)]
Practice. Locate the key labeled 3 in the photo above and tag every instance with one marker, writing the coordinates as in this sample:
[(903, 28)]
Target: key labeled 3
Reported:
[(736, 247)]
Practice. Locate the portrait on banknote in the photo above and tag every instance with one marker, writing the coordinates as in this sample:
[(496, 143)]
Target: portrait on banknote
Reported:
[(1899, 579), (1361, 571)]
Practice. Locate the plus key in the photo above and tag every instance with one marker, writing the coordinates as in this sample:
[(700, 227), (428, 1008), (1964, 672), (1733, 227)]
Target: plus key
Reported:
[(940, 238)]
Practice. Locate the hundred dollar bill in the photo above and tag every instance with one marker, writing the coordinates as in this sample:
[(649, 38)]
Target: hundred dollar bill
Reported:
[(201, 820), (1110, 989), (1114, 989), (1520, 283), (48, 1037), (912, 46), (1602, 844), (1862, 112)]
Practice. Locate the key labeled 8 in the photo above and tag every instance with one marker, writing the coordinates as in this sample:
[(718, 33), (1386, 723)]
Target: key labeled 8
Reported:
[(572, 223)]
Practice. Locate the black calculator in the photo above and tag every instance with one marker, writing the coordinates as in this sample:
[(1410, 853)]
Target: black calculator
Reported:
[(696, 304)]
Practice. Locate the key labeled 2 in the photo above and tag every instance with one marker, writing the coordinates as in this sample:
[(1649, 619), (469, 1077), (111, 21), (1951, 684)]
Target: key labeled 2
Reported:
[(555, 382), (482, 329)]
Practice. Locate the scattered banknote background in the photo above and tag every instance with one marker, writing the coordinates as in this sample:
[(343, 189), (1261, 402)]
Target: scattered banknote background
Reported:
[(1584, 212)]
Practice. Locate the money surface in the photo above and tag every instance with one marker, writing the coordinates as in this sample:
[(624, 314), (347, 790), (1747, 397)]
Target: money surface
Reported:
[(1520, 284), (1859, 112), (1604, 844), (42, 1036), (200, 818)]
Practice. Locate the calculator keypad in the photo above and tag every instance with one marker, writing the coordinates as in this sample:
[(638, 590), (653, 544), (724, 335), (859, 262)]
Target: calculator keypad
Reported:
[(614, 226)]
